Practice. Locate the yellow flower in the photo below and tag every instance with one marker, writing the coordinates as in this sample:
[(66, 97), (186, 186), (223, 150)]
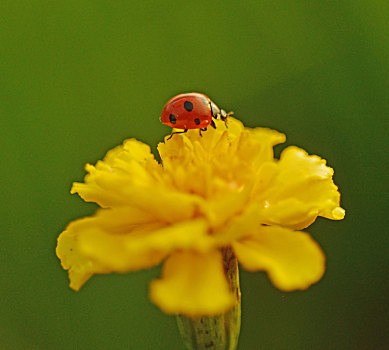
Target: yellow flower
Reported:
[(224, 189)]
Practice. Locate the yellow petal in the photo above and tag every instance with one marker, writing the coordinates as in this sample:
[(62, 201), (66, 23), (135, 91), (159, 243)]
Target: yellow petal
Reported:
[(233, 126), (192, 284), (130, 176), (238, 158), (298, 189), (225, 206), (115, 252), (292, 259), (266, 139), (222, 160), (241, 226), (117, 222), (80, 267), (131, 164), (142, 248), (165, 203), (125, 239)]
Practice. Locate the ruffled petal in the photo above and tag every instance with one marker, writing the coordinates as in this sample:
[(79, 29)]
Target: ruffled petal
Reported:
[(264, 139), (221, 209), (130, 176), (292, 259), (193, 284), (165, 203), (116, 222), (79, 267), (189, 159), (143, 249), (297, 189), (129, 165), (222, 160), (239, 227), (125, 239)]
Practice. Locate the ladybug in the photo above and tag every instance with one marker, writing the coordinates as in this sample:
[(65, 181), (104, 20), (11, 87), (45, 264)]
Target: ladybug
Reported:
[(191, 111)]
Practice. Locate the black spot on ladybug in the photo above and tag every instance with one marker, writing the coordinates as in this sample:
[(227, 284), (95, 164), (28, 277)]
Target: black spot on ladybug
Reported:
[(172, 118), (188, 106), (197, 121)]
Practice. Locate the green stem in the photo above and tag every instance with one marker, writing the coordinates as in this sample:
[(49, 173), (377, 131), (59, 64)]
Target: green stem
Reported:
[(219, 332)]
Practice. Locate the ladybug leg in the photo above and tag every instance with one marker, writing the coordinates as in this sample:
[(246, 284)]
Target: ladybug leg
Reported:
[(202, 129), (224, 116), (213, 124), (176, 132)]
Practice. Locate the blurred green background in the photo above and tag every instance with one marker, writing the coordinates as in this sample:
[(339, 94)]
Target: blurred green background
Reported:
[(78, 77)]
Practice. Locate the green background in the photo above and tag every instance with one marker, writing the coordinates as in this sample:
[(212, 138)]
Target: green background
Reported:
[(78, 77)]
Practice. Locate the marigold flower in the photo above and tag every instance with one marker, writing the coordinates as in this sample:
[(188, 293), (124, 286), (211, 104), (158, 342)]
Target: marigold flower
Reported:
[(224, 189)]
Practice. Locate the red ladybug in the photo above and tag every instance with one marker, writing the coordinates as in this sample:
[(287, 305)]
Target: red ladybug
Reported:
[(191, 111)]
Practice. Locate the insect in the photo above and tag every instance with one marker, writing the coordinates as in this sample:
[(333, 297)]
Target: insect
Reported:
[(191, 111)]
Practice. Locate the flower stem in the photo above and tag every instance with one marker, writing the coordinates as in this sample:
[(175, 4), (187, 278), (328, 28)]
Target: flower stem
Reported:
[(219, 332)]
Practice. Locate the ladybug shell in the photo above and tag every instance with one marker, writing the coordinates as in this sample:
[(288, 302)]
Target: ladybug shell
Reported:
[(187, 111)]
